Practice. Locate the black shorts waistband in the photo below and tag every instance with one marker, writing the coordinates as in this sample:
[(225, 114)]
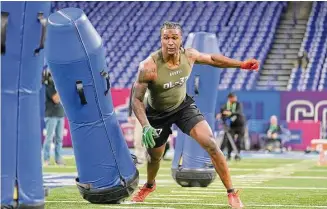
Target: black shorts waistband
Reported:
[(153, 114)]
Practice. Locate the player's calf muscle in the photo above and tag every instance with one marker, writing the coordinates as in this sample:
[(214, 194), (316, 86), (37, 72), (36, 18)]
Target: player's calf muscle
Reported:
[(211, 147)]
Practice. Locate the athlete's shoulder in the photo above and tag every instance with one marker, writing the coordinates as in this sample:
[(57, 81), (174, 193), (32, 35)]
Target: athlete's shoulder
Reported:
[(156, 56), (148, 63), (147, 70), (192, 53)]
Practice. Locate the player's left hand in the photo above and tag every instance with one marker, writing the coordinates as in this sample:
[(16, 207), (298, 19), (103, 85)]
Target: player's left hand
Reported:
[(250, 64)]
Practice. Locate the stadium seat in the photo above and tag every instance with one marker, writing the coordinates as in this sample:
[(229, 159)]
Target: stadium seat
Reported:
[(244, 30), (315, 44)]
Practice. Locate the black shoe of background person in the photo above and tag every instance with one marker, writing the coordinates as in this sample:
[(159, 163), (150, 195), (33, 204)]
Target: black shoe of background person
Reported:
[(237, 157), (228, 157)]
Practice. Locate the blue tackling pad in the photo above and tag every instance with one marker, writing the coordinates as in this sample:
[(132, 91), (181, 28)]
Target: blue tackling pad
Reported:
[(23, 28), (76, 58), (203, 85)]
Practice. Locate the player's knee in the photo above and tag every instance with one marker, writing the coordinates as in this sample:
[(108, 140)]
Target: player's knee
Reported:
[(154, 159)]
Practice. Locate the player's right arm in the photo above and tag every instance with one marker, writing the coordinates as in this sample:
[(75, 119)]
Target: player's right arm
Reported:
[(146, 74)]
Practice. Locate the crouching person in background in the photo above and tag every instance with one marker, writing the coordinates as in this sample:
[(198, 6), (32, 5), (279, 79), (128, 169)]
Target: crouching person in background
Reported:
[(272, 139)]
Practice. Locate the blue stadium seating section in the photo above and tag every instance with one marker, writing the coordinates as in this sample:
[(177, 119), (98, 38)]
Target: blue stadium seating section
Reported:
[(130, 31), (315, 43), (249, 34)]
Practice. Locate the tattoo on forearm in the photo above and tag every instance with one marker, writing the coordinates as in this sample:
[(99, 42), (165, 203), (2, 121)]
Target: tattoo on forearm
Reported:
[(140, 88)]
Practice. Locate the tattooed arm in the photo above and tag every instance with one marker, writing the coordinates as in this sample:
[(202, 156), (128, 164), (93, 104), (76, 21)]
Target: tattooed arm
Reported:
[(147, 72), (218, 60)]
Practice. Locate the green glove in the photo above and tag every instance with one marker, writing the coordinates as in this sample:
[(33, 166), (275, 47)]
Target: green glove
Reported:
[(149, 133)]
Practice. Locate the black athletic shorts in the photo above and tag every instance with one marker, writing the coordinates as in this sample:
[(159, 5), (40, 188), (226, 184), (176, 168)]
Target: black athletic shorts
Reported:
[(185, 116)]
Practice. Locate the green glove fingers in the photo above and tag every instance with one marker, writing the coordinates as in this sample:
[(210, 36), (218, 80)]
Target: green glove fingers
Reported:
[(148, 136), (151, 141), (145, 139)]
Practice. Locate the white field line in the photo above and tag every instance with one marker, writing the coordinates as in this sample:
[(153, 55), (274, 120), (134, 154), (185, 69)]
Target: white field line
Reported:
[(134, 207), (185, 203), (280, 177), (184, 195), (215, 189), (197, 192), (172, 182), (185, 199), (57, 166), (255, 178), (55, 174), (66, 201), (231, 169), (260, 169), (248, 205), (273, 173), (221, 188)]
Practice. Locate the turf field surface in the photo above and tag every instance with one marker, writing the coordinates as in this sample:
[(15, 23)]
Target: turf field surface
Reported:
[(264, 183)]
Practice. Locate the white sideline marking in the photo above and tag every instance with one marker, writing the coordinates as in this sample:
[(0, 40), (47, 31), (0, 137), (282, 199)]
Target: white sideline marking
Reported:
[(248, 205), (279, 177), (57, 166), (211, 188), (231, 169), (221, 188), (66, 201), (266, 169), (185, 203), (198, 192), (288, 188), (185, 199), (183, 195), (143, 207)]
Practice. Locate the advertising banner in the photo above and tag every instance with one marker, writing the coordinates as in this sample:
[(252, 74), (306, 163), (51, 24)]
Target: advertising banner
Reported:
[(258, 105), (297, 106), (304, 112), (302, 132)]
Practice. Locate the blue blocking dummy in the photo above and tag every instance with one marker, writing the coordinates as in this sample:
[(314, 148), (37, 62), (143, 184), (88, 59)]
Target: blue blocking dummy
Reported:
[(23, 27), (192, 165), (76, 59)]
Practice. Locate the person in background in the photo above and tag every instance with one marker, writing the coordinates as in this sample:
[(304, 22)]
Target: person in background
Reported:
[(169, 149), (302, 60), (272, 139), (233, 112), (54, 121)]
